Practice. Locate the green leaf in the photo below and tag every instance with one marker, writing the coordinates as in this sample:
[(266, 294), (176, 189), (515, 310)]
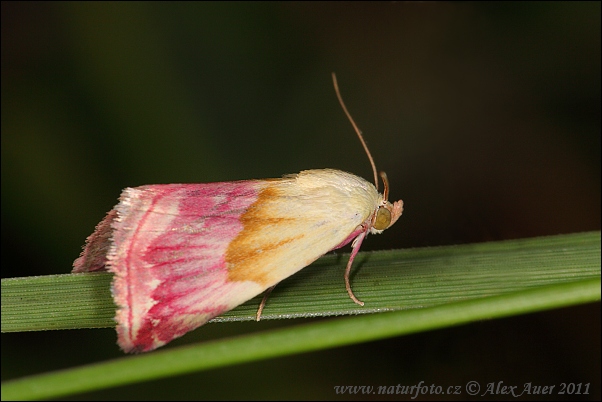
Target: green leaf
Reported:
[(422, 289)]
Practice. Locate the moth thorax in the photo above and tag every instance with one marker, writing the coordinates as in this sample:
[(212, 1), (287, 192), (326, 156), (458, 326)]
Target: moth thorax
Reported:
[(383, 218)]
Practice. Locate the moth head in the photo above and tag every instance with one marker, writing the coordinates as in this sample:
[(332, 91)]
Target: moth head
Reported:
[(386, 214)]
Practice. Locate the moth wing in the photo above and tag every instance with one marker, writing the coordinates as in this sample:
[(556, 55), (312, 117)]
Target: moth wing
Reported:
[(185, 253)]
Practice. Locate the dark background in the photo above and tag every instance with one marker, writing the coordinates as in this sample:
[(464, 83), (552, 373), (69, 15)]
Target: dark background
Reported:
[(486, 117)]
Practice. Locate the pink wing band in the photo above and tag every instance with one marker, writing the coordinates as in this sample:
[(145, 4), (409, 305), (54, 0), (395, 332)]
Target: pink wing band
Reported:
[(167, 250)]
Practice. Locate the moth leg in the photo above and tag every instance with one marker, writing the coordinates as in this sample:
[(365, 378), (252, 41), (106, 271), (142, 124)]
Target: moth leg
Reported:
[(356, 247), (262, 305)]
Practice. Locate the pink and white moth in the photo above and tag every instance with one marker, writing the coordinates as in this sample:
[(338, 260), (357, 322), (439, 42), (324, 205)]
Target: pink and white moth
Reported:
[(185, 253)]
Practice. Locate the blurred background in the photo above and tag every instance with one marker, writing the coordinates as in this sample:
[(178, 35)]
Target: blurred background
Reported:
[(486, 117)]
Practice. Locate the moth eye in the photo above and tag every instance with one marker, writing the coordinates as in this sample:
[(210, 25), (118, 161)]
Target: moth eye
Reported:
[(383, 219)]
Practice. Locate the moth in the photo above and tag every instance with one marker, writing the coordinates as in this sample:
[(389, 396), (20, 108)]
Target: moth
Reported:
[(182, 254)]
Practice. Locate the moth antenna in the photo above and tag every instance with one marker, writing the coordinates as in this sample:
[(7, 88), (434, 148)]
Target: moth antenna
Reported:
[(357, 130), (383, 176)]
